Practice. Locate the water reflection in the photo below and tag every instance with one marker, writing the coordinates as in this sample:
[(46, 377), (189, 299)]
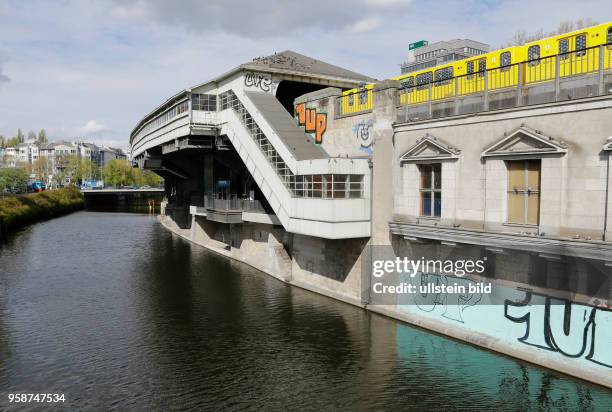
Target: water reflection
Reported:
[(117, 313)]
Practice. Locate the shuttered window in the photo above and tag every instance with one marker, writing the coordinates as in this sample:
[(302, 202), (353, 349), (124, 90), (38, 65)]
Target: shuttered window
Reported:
[(524, 191)]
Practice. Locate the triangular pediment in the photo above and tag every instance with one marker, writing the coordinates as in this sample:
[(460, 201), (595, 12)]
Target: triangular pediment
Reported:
[(430, 148), (525, 141)]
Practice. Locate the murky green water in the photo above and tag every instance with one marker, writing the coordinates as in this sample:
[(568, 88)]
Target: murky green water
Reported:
[(116, 313)]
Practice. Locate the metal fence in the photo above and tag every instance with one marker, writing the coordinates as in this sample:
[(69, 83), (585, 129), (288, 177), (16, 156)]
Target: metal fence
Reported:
[(566, 76)]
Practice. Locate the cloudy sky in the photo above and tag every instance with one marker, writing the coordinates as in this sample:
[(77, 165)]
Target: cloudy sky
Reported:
[(92, 69)]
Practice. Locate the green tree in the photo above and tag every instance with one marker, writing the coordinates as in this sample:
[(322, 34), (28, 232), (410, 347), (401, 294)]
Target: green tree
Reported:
[(13, 179), (78, 168), (118, 173), (3, 141), (43, 167), (42, 136)]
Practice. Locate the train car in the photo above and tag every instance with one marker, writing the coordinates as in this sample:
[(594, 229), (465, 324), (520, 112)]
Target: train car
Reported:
[(578, 53), (36, 186), (357, 100)]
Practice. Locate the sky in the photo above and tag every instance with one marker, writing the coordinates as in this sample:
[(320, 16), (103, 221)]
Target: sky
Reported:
[(92, 69)]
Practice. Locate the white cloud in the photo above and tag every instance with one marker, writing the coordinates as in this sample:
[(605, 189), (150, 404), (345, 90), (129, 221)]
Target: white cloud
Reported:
[(364, 25), (92, 127)]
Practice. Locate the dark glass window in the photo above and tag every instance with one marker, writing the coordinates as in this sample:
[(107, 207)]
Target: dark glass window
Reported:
[(470, 69), (581, 44), (407, 82), (482, 67), (423, 80), (362, 97), (533, 55), (444, 75), (505, 60), (563, 49), (609, 38)]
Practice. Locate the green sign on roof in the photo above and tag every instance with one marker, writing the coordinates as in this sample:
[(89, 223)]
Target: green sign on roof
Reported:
[(417, 44)]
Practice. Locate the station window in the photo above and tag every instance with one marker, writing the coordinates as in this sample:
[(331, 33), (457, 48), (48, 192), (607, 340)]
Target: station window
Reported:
[(443, 76), (609, 38), (505, 60), (431, 189), (563, 49), (423, 80), (581, 44), (205, 102), (524, 191), (533, 55), (351, 100)]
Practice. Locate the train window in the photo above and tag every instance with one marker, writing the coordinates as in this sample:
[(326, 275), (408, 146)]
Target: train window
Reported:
[(362, 97), (581, 44), (470, 69), (423, 80), (482, 67), (444, 75), (533, 55), (407, 82), (563, 49), (609, 38), (351, 99), (505, 60)]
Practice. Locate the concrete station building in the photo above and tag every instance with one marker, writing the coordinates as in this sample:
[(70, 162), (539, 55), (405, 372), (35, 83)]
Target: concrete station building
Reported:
[(262, 165)]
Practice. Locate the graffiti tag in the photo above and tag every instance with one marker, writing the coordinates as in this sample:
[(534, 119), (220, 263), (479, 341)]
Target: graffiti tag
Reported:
[(259, 80), (363, 131), (312, 121), (571, 329), (450, 306)]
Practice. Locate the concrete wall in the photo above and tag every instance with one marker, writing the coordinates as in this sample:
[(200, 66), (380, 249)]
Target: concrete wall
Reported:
[(474, 188)]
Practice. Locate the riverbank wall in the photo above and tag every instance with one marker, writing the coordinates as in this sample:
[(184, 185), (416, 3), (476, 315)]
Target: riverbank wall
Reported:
[(334, 269), (19, 211)]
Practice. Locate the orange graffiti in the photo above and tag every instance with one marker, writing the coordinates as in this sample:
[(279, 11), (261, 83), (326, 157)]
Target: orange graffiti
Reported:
[(312, 121)]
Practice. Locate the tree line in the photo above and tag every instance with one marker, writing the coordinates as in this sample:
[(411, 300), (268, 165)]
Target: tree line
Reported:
[(20, 137), (75, 169)]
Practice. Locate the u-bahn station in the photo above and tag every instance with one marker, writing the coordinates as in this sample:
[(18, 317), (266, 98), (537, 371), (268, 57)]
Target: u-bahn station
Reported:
[(311, 172)]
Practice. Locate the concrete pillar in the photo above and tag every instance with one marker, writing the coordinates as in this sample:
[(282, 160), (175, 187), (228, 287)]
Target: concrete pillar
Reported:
[(209, 183), (384, 112)]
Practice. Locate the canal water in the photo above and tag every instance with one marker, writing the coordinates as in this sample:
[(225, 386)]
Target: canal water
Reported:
[(115, 312)]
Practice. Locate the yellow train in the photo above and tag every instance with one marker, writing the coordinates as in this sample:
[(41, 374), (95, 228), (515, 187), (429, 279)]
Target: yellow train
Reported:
[(577, 53)]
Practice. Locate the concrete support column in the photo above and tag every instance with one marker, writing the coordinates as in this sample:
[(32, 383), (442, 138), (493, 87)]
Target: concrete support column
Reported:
[(209, 183), (384, 112)]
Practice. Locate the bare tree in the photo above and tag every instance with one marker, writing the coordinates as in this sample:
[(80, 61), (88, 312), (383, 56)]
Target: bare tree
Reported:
[(520, 37)]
